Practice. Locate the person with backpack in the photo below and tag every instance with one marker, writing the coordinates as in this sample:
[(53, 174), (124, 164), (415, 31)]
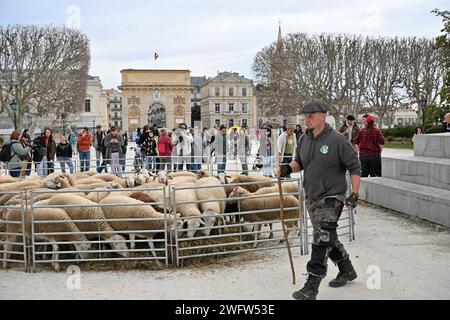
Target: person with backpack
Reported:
[(13, 153), (165, 147)]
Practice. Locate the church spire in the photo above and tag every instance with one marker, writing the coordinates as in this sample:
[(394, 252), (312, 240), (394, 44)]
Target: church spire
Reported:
[(279, 40), (280, 37)]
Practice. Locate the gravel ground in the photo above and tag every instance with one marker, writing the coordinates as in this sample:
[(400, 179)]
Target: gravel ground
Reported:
[(411, 257)]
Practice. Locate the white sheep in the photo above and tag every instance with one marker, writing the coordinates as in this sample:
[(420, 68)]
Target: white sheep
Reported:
[(181, 174), (93, 212), (148, 228), (210, 209), (271, 200), (7, 179), (22, 185), (70, 230), (189, 210)]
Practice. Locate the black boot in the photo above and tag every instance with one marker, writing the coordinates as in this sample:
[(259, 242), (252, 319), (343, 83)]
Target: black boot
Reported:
[(309, 290), (346, 273)]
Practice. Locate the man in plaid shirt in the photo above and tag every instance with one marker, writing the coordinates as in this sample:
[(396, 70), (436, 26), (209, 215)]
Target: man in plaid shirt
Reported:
[(370, 142)]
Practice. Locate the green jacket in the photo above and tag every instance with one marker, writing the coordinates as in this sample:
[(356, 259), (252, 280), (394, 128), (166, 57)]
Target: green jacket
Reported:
[(17, 150)]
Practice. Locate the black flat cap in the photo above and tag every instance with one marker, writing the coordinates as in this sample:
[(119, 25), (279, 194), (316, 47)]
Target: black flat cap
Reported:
[(351, 118), (315, 106)]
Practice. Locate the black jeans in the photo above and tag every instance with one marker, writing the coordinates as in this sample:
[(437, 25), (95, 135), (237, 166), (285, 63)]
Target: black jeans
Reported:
[(370, 166), (324, 216)]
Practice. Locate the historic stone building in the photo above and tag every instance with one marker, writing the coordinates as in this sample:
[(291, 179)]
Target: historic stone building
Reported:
[(155, 97), (95, 110), (114, 107), (228, 99)]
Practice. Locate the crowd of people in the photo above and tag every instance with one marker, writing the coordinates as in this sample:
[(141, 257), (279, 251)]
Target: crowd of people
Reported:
[(182, 148)]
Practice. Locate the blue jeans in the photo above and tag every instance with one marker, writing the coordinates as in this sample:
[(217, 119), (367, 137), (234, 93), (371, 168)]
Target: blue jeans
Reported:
[(151, 163), (85, 157), (43, 167), (14, 173), (221, 163), (66, 160)]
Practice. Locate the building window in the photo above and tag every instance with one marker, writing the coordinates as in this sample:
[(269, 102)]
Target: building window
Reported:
[(116, 115), (87, 105), (230, 123), (245, 108), (244, 92), (217, 107), (231, 107), (217, 122), (217, 92), (116, 124), (244, 123), (231, 92)]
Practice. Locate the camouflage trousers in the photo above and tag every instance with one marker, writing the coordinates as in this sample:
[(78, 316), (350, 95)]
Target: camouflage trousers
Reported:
[(324, 216)]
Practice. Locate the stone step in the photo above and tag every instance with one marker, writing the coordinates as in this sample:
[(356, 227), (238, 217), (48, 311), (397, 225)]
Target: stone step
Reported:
[(427, 203), (435, 145), (431, 172)]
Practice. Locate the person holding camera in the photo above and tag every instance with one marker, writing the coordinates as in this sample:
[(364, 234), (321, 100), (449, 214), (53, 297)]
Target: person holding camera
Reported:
[(84, 142), (64, 155), (19, 152), (113, 144)]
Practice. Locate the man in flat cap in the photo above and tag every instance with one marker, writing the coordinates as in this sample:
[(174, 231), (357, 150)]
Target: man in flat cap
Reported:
[(350, 129), (325, 156)]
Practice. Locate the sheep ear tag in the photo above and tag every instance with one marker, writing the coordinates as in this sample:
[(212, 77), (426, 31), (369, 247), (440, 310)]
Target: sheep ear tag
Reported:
[(324, 149)]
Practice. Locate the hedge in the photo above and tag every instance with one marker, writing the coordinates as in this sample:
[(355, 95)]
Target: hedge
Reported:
[(408, 131)]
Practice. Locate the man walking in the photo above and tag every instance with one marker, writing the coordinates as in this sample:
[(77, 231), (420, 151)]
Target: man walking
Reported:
[(325, 156), (350, 130)]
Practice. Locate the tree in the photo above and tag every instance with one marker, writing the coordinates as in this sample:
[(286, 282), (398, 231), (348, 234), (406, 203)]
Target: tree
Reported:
[(443, 43), (44, 69)]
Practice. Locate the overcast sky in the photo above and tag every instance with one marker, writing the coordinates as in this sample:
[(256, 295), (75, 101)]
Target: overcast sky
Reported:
[(215, 35)]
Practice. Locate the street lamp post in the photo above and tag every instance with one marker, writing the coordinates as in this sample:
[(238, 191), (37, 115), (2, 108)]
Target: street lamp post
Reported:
[(14, 107), (93, 126), (422, 106)]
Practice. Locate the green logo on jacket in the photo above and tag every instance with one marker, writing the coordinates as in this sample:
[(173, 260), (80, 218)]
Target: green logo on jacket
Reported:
[(324, 149)]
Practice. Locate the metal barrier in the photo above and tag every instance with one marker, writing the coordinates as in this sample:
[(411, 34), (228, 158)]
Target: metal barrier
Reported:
[(77, 238), (12, 230), (89, 239), (236, 237)]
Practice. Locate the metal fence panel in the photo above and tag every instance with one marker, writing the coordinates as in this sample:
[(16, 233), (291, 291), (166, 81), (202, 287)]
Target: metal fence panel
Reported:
[(240, 236), (13, 241), (104, 238)]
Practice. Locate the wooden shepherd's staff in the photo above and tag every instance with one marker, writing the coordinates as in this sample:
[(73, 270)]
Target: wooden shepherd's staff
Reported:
[(280, 190)]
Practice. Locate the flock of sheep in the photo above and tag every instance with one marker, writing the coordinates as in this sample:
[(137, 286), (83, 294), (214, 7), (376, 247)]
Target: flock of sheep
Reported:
[(89, 205)]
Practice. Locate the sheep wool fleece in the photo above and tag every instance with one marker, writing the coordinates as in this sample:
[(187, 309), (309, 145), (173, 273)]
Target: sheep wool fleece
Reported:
[(325, 160)]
